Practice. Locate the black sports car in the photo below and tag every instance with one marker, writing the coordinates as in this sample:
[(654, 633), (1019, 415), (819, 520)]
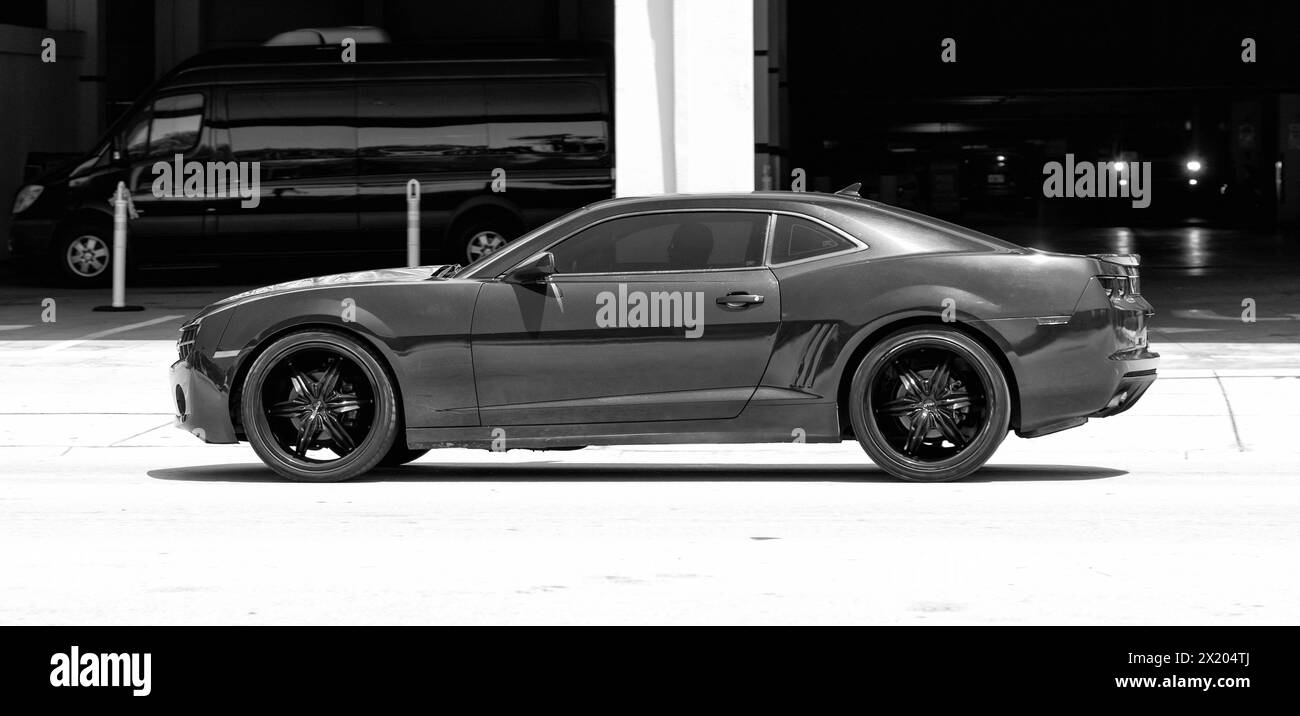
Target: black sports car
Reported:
[(764, 317)]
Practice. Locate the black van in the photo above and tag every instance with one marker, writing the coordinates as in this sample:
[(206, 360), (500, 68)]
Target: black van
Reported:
[(502, 139)]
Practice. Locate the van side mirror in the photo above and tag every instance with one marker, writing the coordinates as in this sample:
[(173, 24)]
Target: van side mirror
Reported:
[(535, 270)]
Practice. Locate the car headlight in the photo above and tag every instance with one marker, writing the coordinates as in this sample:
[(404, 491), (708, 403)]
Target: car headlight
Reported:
[(26, 197)]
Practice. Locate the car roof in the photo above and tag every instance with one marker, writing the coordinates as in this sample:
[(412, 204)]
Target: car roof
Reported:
[(766, 200)]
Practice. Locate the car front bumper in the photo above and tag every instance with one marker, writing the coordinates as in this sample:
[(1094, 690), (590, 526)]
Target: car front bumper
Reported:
[(202, 407)]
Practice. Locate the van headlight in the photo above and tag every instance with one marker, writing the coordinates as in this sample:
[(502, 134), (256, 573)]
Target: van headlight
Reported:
[(26, 197)]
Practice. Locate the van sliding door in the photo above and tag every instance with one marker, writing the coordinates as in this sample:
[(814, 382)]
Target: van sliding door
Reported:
[(304, 139), (432, 131)]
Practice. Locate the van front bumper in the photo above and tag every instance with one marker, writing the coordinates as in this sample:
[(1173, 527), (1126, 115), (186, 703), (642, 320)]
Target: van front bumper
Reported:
[(31, 237)]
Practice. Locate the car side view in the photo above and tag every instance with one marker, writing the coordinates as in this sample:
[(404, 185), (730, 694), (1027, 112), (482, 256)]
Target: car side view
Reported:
[(739, 318)]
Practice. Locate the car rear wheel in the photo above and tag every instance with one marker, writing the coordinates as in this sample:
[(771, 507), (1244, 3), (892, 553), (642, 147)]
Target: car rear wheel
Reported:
[(929, 404), (82, 256), (319, 407)]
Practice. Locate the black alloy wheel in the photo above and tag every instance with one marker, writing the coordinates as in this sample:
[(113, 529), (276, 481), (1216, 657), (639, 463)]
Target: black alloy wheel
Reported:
[(930, 404), (319, 407)]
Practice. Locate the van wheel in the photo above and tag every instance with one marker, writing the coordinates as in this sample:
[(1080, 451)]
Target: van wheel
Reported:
[(929, 404), (480, 237), (83, 256)]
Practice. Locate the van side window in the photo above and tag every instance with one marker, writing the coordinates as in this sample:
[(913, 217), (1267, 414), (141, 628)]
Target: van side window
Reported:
[(176, 123), (135, 140), (539, 121), (405, 125), (294, 133)]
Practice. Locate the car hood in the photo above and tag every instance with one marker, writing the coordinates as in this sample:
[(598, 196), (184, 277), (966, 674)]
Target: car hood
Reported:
[(417, 273)]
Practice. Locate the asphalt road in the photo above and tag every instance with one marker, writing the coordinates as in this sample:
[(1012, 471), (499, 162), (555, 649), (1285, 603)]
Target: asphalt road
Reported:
[(1182, 511)]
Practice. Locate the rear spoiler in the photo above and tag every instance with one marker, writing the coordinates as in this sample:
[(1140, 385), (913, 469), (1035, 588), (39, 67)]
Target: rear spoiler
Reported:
[(1126, 260)]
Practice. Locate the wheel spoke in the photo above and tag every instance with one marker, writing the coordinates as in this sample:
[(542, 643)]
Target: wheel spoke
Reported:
[(302, 384), (953, 401), (344, 403), (949, 429), (939, 379), (920, 426), (306, 434), (338, 434), (912, 382), (287, 409), (898, 408), (329, 381)]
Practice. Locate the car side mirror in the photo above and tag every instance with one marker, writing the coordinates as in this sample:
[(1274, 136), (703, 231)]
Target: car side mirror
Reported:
[(535, 270)]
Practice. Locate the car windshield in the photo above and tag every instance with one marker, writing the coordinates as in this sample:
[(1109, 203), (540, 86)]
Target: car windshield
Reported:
[(511, 250)]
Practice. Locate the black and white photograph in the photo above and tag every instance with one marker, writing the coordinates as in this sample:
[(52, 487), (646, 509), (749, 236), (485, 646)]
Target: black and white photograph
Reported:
[(364, 316)]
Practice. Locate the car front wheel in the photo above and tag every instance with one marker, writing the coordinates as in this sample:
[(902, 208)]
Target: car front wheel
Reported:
[(319, 407), (929, 404)]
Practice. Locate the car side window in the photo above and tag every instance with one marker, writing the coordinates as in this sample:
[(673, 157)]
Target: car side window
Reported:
[(176, 124), (685, 241), (795, 238)]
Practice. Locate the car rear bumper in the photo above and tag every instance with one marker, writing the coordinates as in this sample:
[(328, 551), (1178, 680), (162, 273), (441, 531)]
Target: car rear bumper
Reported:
[(1135, 371), (202, 408)]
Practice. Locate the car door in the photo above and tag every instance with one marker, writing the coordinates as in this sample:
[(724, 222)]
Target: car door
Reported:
[(658, 316)]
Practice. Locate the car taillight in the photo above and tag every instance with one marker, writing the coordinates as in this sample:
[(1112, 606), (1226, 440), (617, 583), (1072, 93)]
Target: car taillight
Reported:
[(1119, 286)]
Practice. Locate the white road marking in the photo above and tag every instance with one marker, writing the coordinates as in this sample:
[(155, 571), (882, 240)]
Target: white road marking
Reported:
[(62, 345), (14, 326), (1208, 314)]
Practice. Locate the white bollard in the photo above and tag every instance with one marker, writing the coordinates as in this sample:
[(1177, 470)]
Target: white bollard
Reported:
[(413, 223), (121, 206), (119, 246)]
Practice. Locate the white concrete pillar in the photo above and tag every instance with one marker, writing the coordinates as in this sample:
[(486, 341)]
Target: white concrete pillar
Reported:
[(88, 18), (683, 96)]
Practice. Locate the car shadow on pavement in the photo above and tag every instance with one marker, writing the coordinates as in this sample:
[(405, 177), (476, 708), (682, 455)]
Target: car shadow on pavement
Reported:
[(554, 471)]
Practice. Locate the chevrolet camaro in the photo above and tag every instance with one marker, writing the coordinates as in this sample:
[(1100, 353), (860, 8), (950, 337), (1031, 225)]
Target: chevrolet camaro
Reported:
[(738, 318)]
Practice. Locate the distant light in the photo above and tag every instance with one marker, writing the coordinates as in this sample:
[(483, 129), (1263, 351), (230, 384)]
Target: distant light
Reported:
[(1002, 157), (1191, 182), (1123, 182), (1119, 166), (1193, 166)]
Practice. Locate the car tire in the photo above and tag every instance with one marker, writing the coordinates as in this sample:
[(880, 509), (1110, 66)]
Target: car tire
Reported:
[(929, 404), (292, 404), (475, 236), (399, 455), (82, 255)]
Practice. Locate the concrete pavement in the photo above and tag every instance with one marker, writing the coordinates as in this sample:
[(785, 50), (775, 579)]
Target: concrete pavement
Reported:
[(1180, 511)]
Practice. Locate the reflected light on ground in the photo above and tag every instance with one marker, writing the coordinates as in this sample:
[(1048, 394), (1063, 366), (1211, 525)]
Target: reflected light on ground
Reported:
[(1194, 254)]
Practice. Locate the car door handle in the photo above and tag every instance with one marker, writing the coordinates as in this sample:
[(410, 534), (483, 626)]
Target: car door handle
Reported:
[(738, 300)]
